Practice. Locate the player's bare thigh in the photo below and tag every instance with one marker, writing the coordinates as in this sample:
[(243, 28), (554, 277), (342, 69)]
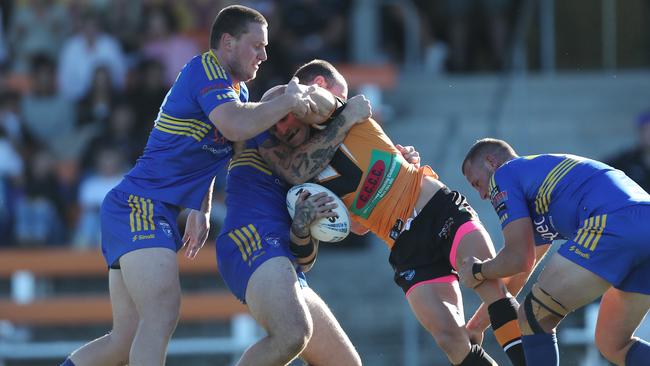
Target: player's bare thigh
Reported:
[(569, 284), (619, 315), (328, 336)]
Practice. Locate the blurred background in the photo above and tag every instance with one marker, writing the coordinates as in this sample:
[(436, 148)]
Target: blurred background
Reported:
[(82, 80)]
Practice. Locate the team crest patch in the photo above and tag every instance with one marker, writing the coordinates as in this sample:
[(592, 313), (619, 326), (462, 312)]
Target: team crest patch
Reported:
[(273, 241), (166, 228), (408, 274)]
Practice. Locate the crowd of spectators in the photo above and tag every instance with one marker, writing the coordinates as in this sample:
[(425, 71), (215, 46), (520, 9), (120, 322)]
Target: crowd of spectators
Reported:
[(81, 82)]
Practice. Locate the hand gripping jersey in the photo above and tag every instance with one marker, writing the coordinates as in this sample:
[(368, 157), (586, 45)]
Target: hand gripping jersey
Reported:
[(185, 150), (562, 194), (372, 178)]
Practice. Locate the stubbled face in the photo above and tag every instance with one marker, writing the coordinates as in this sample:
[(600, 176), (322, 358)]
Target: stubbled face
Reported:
[(291, 131), (478, 174), (248, 52)]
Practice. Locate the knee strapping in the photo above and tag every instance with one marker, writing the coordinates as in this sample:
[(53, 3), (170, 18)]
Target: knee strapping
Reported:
[(538, 305)]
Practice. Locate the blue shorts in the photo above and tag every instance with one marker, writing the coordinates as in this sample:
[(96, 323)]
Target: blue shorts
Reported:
[(130, 222), (616, 247), (242, 250)]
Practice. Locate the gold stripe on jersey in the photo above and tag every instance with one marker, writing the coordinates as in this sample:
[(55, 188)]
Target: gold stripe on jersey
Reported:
[(492, 184), (195, 121), (257, 236), (132, 214), (208, 67), (599, 232), (141, 215), (214, 65), (591, 231), (256, 243), (239, 245), (243, 239), (158, 127), (198, 135), (187, 125), (543, 198), (250, 157)]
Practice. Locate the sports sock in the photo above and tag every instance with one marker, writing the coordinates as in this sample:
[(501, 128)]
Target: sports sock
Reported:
[(67, 362), (638, 354), (503, 317), (541, 349), (477, 357)]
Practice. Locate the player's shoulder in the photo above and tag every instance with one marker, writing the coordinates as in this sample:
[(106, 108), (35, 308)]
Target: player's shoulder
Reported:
[(206, 66)]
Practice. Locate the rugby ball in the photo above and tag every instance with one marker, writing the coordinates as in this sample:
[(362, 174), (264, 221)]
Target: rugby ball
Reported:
[(329, 229)]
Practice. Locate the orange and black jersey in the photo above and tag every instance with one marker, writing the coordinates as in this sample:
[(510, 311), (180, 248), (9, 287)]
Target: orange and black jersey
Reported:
[(374, 181)]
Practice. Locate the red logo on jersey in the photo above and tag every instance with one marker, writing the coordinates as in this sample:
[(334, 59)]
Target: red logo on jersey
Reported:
[(370, 185), (218, 138)]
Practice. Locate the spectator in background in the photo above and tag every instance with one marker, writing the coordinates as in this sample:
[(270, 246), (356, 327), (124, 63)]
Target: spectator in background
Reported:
[(10, 120), (48, 116), (84, 52), (123, 21), (119, 133), (37, 27), (109, 168), (38, 208), (11, 169), (148, 91), (635, 162), (95, 107), (162, 42)]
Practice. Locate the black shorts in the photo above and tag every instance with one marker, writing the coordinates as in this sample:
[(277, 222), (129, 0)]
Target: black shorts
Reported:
[(421, 252)]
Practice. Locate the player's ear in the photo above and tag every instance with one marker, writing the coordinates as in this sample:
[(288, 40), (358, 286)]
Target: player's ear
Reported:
[(226, 40), (491, 161), (320, 81)]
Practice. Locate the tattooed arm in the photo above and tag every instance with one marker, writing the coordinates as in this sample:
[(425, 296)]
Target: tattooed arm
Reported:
[(298, 165), (309, 208)]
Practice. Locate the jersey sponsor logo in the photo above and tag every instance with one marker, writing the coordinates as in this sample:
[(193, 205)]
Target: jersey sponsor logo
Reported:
[(143, 237), (544, 230), (371, 183), (579, 252), (499, 199), (217, 151), (220, 85), (382, 172), (446, 228), (408, 274)]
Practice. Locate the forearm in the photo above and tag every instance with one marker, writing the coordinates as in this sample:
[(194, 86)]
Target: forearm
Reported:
[(303, 163), (303, 246), (507, 263), (242, 121)]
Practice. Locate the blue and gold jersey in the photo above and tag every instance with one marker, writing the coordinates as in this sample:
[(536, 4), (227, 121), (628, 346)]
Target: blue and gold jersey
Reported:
[(185, 150), (561, 194), (253, 192)]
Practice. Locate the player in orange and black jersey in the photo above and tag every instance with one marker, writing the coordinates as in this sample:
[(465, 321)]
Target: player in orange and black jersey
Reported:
[(428, 228)]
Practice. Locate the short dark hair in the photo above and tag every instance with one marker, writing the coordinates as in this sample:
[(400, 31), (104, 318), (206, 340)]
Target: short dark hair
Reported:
[(233, 20), (485, 146), (317, 67)]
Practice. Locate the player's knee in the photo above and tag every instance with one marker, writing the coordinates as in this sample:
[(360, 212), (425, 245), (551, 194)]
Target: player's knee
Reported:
[(451, 339), (612, 349), (540, 312), (295, 338)]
